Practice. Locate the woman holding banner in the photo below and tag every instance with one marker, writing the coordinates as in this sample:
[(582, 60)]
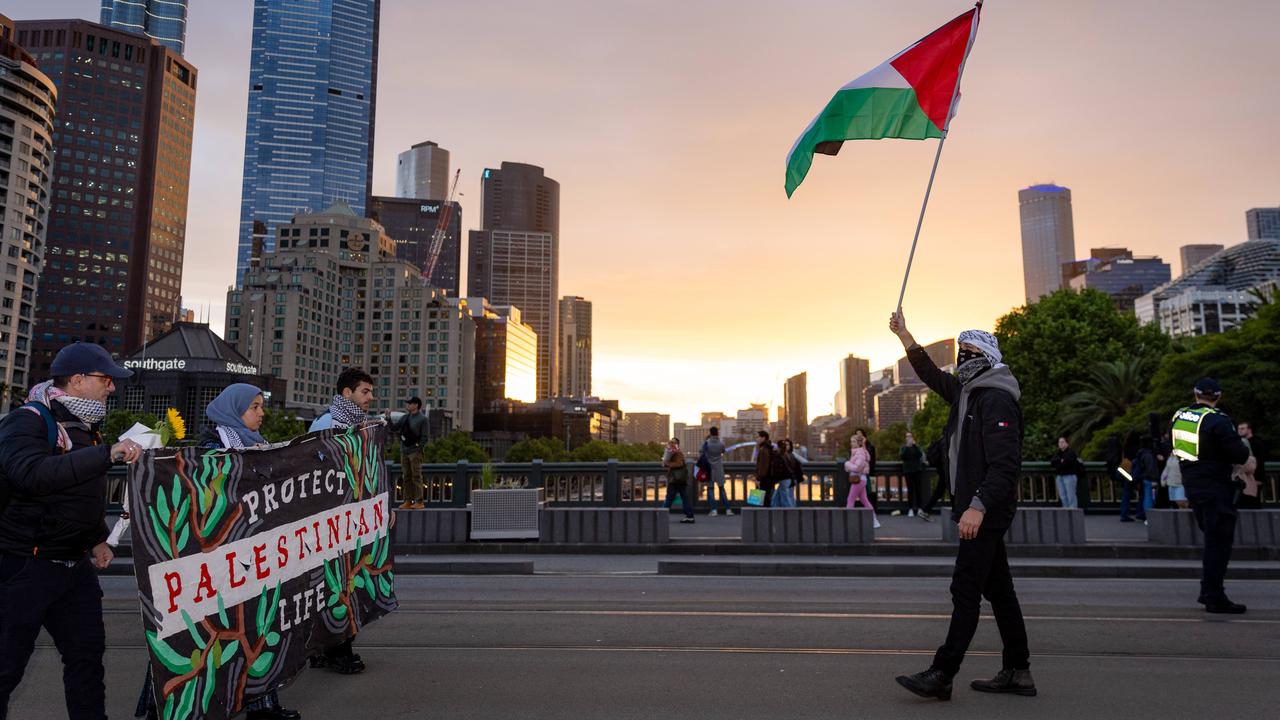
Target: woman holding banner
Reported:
[(237, 414)]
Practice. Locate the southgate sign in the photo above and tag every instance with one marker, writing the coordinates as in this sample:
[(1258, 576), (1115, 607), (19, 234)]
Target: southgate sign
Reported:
[(192, 365)]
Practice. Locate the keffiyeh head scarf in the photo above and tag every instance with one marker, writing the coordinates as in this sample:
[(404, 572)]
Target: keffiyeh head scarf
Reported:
[(345, 413), (90, 412), (227, 412), (970, 365)]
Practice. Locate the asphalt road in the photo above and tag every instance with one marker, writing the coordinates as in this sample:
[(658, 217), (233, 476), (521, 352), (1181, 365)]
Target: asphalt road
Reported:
[(624, 643)]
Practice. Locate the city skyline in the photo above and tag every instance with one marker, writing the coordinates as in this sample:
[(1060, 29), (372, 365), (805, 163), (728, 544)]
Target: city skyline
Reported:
[(688, 137)]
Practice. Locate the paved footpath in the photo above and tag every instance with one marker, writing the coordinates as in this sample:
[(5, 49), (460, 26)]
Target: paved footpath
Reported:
[(606, 637)]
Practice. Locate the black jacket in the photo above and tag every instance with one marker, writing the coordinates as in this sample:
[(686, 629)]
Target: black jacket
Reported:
[(58, 502), (1220, 448), (1065, 462), (989, 461), (912, 458)]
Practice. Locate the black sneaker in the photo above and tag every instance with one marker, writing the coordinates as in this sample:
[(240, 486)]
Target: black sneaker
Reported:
[(928, 684), (1008, 680), (341, 664), (924, 516), (1223, 606), (687, 520)]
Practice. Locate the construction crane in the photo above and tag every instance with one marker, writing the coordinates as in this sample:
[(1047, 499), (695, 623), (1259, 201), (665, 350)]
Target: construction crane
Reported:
[(442, 229)]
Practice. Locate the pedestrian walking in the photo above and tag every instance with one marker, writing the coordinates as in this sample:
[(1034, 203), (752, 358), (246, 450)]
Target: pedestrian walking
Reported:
[(349, 408), (872, 495), (857, 466), (984, 442), (412, 428), (1251, 475), (53, 530), (766, 467), (912, 458), (936, 454), (1120, 468), (1171, 478), (793, 473), (714, 449), (677, 479), (1066, 465), (1146, 475), (1206, 444)]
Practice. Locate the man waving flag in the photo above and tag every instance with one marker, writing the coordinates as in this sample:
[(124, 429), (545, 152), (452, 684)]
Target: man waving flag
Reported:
[(909, 96)]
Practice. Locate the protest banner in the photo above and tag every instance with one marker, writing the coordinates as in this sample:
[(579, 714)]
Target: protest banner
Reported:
[(249, 562)]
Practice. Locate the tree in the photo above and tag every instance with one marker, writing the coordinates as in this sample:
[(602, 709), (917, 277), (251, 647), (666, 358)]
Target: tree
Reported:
[(889, 440), (1106, 394), (929, 421), (1053, 343), (545, 449), (1242, 360), (596, 451), (452, 448), (118, 421), (280, 425)]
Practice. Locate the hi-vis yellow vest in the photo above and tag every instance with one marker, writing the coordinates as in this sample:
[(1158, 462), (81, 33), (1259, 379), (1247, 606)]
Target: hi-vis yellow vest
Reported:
[(1186, 432)]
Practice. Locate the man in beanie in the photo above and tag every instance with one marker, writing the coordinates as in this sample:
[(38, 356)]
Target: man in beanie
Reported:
[(983, 438), (53, 531), (1206, 445)]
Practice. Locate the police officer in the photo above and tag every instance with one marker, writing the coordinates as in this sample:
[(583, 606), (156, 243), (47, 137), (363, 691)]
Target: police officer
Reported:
[(1206, 445), (53, 491)]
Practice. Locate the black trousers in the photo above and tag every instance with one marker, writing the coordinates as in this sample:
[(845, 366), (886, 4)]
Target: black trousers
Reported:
[(939, 487), (1216, 516), (66, 601), (915, 488), (982, 570)]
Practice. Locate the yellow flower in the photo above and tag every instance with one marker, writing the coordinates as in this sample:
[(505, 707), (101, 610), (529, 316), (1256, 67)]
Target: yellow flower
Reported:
[(176, 422)]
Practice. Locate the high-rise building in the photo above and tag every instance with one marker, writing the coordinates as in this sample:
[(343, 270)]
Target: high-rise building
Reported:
[(412, 224), (1193, 255), (1263, 223), (1048, 239), (899, 404), (575, 346), (942, 353), (752, 420), (126, 112), (855, 377), (641, 428), (506, 355), (881, 380), (1217, 294), (313, 76), (514, 259), (795, 394), (422, 172), (28, 100), (521, 269), (162, 20), (1124, 277), (333, 295)]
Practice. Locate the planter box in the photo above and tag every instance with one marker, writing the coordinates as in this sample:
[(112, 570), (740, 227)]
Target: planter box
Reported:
[(605, 526), (1032, 526), (505, 514), (814, 526), (1254, 528), (434, 525)]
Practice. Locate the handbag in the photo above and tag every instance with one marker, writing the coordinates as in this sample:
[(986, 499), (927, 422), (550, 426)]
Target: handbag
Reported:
[(755, 497), (679, 475)]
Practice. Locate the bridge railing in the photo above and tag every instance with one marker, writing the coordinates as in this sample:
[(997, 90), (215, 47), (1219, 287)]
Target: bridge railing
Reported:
[(620, 484)]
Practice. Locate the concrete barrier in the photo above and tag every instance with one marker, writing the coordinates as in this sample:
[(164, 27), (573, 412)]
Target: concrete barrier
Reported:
[(808, 526), (1033, 526), (431, 526), (604, 526), (1254, 528)]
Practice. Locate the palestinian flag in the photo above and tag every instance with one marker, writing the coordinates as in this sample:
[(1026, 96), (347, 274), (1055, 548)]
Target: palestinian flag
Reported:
[(908, 97)]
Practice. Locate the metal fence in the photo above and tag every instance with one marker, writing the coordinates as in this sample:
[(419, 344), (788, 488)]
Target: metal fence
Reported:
[(619, 484)]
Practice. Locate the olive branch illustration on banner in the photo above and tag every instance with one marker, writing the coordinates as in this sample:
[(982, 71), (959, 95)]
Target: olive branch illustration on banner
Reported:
[(215, 647), (201, 510), (366, 571)]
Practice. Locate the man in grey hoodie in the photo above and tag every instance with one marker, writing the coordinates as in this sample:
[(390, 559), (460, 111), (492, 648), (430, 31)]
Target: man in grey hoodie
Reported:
[(713, 448), (984, 458)]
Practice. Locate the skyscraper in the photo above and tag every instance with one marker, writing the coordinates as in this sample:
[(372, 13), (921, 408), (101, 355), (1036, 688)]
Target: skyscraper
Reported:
[(1048, 240), (506, 356), (855, 377), (795, 395), (313, 76), (412, 224), (117, 232), (162, 20), (1263, 223), (422, 172), (1124, 277), (575, 346), (1193, 255), (27, 116), (514, 259)]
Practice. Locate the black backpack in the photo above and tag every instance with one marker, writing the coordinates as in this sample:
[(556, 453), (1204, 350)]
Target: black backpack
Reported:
[(51, 426)]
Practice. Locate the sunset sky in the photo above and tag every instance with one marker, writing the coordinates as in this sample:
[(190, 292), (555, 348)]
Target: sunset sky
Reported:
[(667, 125)]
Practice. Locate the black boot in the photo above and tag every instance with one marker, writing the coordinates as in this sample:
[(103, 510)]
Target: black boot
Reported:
[(928, 684), (1223, 606), (1008, 680)]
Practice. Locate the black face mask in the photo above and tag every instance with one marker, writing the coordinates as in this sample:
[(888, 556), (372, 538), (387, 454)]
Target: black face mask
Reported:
[(964, 355)]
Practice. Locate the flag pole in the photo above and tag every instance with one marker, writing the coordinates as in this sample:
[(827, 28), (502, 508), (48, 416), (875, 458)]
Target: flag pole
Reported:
[(955, 92)]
